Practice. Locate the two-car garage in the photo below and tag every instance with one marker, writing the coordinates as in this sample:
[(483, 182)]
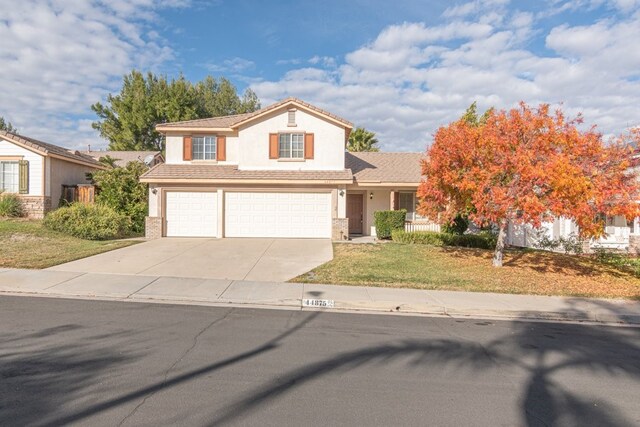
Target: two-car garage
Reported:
[(269, 214)]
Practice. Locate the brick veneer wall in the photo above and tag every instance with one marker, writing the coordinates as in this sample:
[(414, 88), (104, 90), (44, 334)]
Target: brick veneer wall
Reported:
[(340, 228), (35, 206), (153, 227)]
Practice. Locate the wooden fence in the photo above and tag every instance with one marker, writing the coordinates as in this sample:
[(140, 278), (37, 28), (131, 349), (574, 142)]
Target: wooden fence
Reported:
[(85, 193)]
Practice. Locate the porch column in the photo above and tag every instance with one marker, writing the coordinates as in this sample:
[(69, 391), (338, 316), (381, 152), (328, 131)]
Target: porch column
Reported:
[(394, 202)]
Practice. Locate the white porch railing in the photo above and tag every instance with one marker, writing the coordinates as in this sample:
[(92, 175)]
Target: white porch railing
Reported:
[(421, 226)]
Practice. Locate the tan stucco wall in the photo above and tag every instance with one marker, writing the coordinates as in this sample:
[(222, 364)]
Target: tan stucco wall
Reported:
[(65, 173), (381, 201)]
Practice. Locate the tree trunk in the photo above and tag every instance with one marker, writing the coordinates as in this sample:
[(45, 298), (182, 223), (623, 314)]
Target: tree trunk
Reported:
[(497, 255)]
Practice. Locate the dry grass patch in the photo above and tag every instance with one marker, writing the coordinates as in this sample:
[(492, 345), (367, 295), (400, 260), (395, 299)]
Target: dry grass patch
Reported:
[(428, 267), (27, 244)]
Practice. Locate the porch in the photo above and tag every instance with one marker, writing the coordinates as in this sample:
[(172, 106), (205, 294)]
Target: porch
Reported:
[(362, 203)]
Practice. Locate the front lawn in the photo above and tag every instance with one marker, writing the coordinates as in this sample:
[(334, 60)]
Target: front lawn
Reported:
[(447, 268), (27, 244)]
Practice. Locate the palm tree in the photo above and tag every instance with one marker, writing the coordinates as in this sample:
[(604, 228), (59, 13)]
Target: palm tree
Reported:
[(109, 161), (362, 140)]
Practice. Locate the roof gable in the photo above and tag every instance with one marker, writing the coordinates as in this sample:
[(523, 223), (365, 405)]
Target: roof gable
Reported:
[(46, 149), (230, 123)]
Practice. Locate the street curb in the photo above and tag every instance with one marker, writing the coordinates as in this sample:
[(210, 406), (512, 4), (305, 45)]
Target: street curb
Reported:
[(383, 308)]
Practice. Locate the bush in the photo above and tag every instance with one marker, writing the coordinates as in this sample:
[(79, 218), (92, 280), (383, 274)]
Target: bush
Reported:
[(571, 244), (387, 221), (121, 189), (480, 241), (10, 205), (620, 261), (458, 226), (91, 222)]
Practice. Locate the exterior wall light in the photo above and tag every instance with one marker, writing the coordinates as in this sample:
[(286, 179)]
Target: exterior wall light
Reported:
[(370, 196), (341, 193), (154, 191)]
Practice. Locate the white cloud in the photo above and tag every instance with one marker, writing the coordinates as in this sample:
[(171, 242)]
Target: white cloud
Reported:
[(325, 61), (60, 56), (414, 78), (292, 61), (473, 7), (234, 65)]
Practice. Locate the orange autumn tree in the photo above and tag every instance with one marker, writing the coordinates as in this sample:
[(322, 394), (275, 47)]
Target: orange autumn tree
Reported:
[(527, 165)]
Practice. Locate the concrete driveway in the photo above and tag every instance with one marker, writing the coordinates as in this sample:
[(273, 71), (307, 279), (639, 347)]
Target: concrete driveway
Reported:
[(274, 260)]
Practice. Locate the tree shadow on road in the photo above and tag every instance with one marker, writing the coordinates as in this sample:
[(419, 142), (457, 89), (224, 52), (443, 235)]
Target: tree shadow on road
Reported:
[(36, 378), (545, 401), (543, 351), (179, 379)]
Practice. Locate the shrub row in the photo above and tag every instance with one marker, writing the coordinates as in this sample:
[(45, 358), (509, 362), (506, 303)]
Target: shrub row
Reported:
[(480, 241), (10, 205), (89, 221), (388, 221)]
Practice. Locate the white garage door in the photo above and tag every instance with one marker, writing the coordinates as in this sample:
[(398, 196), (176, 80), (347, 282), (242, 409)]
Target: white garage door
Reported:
[(192, 214), (278, 215)]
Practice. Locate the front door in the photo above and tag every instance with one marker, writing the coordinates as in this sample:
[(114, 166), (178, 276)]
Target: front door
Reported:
[(354, 213)]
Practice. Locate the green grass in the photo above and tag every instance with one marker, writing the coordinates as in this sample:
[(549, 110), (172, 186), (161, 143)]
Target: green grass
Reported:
[(463, 269), (27, 244)]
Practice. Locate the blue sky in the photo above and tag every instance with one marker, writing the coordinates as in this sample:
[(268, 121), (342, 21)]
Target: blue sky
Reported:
[(400, 68)]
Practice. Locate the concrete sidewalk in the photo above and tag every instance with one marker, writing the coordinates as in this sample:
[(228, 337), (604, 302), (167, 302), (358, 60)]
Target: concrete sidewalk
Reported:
[(201, 291)]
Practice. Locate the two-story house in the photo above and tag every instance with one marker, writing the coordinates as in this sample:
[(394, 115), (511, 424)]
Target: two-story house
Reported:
[(281, 171)]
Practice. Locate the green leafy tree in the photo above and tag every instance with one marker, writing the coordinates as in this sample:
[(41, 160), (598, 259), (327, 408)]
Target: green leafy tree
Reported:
[(362, 140), (5, 125), (471, 117), (128, 119), (121, 189)]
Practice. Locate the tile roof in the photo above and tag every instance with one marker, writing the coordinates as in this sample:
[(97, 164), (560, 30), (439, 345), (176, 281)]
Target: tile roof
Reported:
[(122, 157), (234, 120), (362, 167), (164, 171), (46, 148), (378, 167), (210, 122)]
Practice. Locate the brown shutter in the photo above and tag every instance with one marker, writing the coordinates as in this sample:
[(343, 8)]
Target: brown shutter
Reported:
[(186, 148), (23, 176), (221, 148), (308, 146), (396, 200), (273, 146)]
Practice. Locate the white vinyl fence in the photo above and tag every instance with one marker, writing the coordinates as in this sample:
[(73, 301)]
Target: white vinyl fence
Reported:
[(421, 226)]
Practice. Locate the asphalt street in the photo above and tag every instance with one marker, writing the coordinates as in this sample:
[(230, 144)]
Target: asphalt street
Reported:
[(111, 363)]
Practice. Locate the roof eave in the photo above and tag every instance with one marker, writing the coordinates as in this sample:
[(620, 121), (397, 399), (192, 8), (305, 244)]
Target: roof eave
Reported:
[(152, 180), (77, 161), (165, 129), (358, 183)]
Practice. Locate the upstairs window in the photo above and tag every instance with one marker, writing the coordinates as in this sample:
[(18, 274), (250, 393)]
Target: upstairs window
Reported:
[(204, 147), (9, 176), (291, 146)]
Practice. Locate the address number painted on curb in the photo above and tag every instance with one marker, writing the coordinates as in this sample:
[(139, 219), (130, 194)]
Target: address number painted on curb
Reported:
[(327, 303)]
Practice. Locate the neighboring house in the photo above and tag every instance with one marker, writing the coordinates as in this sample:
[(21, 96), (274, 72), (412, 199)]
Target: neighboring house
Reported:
[(37, 171), (281, 171), (620, 234), (123, 158)]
